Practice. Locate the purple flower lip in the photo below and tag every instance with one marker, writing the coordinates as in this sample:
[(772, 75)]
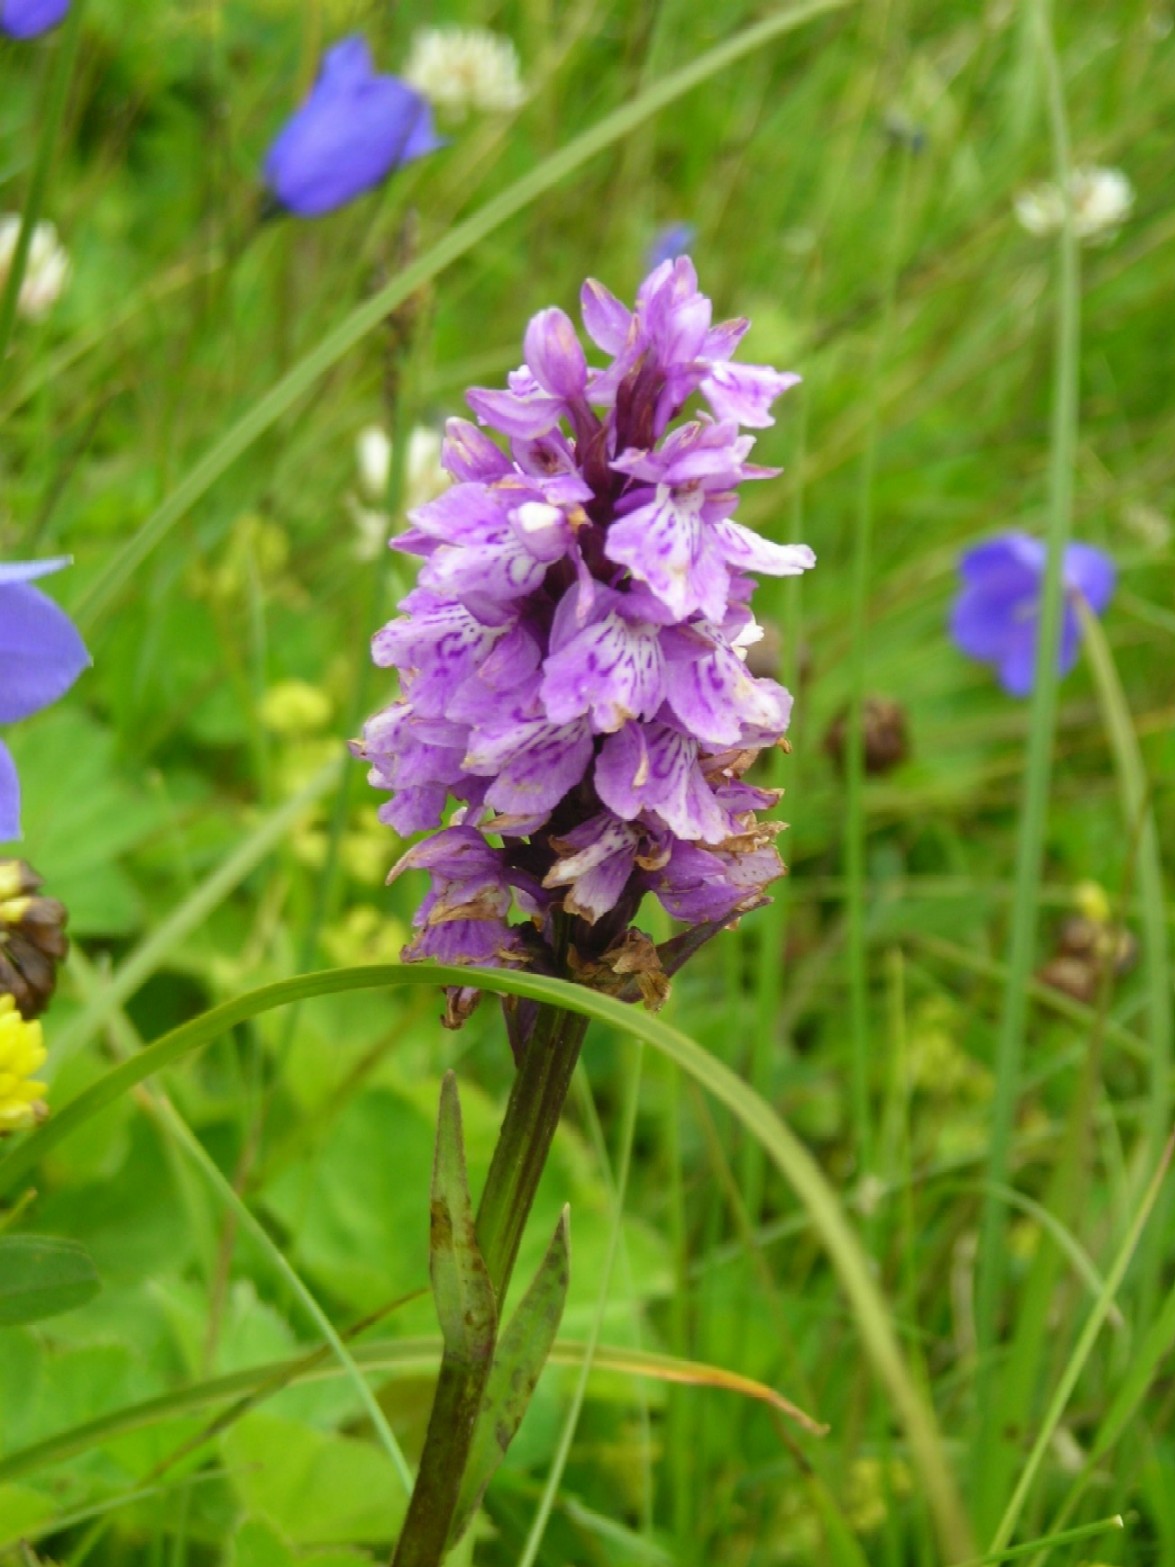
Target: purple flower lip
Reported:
[(995, 616), (353, 130), (41, 655), (30, 18), (572, 660)]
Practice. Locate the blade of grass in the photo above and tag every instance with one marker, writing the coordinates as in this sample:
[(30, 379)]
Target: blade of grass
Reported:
[(1143, 1368), (248, 1222), (1044, 995), (985, 1451), (1048, 1542), (60, 76), (787, 1153), (1081, 1352), (1141, 829), (407, 1357), (1082, 1263), (854, 756), (461, 239), (542, 1515)]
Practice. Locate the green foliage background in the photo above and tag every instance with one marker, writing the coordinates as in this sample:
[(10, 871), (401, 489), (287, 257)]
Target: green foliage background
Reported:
[(852, 184)]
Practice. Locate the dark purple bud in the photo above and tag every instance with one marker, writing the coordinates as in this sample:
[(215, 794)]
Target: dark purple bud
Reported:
[(354, 129)]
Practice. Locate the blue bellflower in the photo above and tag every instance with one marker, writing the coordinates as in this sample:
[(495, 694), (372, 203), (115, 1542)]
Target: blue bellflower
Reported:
[(28, 18), (353, 130), (41, 655), (996, 615), (676, 239)]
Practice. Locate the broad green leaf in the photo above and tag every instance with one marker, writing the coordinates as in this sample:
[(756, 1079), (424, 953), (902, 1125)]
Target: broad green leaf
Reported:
[(42, 1276), (315, 1488), (521, 1354), (82, 812), (464, 1296)]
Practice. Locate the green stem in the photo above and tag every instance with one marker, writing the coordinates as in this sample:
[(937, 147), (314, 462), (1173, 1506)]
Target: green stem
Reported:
[(62, 71), (540, 1088), (1030, 837)]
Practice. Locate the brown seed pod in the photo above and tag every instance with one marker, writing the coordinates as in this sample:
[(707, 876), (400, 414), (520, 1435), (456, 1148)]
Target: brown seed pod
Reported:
[(32, 939), (885, 733)]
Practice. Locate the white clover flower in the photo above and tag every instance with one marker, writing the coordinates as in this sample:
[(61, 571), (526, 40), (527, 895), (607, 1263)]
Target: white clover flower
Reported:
[(46, 271), (373, 457), (1102, 199), (424, 479), (463, 68)]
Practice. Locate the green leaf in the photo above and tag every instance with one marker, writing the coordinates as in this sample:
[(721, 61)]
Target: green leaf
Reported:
[(42, 1276), (825, 1213), (82, 813), (315, 1488), (466, 1307), (522, 1353)]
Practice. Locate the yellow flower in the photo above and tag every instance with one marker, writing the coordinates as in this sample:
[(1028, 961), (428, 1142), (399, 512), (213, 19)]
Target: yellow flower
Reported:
[(294, 707), (22, 1051)]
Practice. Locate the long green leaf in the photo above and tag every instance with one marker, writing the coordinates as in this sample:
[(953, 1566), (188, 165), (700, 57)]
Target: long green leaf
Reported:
[(261, 1237), (522, 1352), (41, 1276), (789, 1156), (464, 1296), (1081, 1352), (409, 1356), (1141, 829), (456, 243), (989, 1455)]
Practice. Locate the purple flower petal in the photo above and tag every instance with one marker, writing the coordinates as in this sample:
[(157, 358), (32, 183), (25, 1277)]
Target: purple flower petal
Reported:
[(666, 545), (1092, 573), (28, 570), (29, 18), (996, 615), (650, 767), (41, 653), (608, 322), (720, 702), (554, 355), (745, 393), (612, 670), (595, 862), (353, 130), (9, 797), (675, 239), (748, 551), (699, 885)]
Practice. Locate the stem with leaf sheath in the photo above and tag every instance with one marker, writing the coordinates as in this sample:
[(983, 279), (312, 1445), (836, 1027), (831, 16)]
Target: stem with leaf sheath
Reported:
[(532, 1114)]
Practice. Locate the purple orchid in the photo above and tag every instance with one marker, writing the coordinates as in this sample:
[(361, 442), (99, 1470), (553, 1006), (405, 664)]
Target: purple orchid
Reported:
[(30, 18), (572, 658), (353, 130), (996, 615), (41, 655)]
